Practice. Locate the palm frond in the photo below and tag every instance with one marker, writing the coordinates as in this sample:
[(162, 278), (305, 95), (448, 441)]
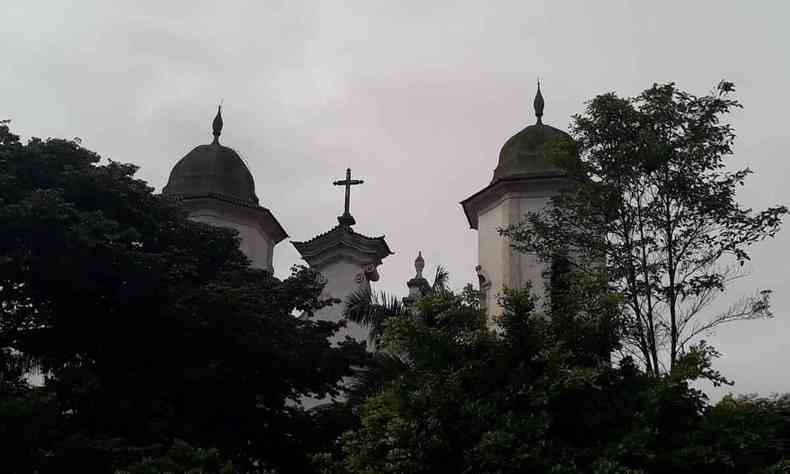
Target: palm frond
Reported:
[(382, 368), (441, 280), (371, 310)]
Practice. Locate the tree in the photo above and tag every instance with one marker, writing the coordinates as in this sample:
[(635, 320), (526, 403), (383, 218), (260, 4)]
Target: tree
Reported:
[(653, 210), (747, 433), (147, 327), (539, 394), (182, 457), (372, 310)]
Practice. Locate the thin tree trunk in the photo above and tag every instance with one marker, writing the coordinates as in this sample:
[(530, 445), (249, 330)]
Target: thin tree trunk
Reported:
[(648, 290)]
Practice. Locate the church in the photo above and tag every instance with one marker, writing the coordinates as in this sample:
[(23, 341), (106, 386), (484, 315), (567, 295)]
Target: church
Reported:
[(215, 186)]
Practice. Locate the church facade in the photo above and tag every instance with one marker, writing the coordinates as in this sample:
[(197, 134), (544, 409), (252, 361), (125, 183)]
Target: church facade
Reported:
[(215, 187)]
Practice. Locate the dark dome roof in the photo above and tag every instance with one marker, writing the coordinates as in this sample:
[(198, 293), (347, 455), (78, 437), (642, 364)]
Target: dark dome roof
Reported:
[(212, 169), (525, 154)]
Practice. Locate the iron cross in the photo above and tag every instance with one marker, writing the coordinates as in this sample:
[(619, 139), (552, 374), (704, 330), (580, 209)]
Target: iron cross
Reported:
[(346, 218)]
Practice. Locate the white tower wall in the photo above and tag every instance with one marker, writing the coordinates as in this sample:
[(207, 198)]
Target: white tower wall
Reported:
[(496, 207), (348, 261), (254, 242), (258, 231), (343, 277)]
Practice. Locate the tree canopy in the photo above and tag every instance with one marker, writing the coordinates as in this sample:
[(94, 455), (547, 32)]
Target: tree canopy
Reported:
[(600, 380), (147, 327), (652, 209), (539, 394)]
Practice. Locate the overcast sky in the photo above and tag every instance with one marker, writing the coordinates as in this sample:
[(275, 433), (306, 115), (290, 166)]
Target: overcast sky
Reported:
[(417, 97)]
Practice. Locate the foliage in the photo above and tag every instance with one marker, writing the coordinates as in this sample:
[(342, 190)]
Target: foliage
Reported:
[(538, 395), (372, 310), (652, 209), (147, 327), (182, 457), (747, 431)]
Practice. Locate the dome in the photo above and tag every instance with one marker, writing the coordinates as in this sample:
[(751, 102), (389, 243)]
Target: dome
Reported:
[(525, 153), (212, 170)]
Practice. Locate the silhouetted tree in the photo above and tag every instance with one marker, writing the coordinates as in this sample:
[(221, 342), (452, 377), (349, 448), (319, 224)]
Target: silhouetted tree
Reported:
[(539, 394), (146, 327), (653, 211)]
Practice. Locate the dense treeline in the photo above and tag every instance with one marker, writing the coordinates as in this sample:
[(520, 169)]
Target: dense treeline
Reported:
[(147, 327), (540, 396)]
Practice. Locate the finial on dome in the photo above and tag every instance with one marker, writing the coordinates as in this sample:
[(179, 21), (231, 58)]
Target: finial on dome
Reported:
[(539, 104), (419, 264), (217, 123)]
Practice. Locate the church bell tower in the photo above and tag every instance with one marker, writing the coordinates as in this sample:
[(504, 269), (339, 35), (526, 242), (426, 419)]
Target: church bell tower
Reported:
[(215, 187), (525, 179), (348, 261)]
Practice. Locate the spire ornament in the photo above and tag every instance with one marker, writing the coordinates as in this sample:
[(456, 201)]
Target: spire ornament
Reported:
[(539, 103), (217, 124), (419, 264)]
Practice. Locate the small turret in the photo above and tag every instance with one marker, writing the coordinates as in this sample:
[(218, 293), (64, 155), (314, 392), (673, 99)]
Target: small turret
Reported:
[(215, 186), (418, 286), (530, 171)]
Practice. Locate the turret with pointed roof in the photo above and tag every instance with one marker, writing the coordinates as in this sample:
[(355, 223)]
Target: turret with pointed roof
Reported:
[(418, 286), (526, 176), (349, 261), (215, 186), (525, 154)]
